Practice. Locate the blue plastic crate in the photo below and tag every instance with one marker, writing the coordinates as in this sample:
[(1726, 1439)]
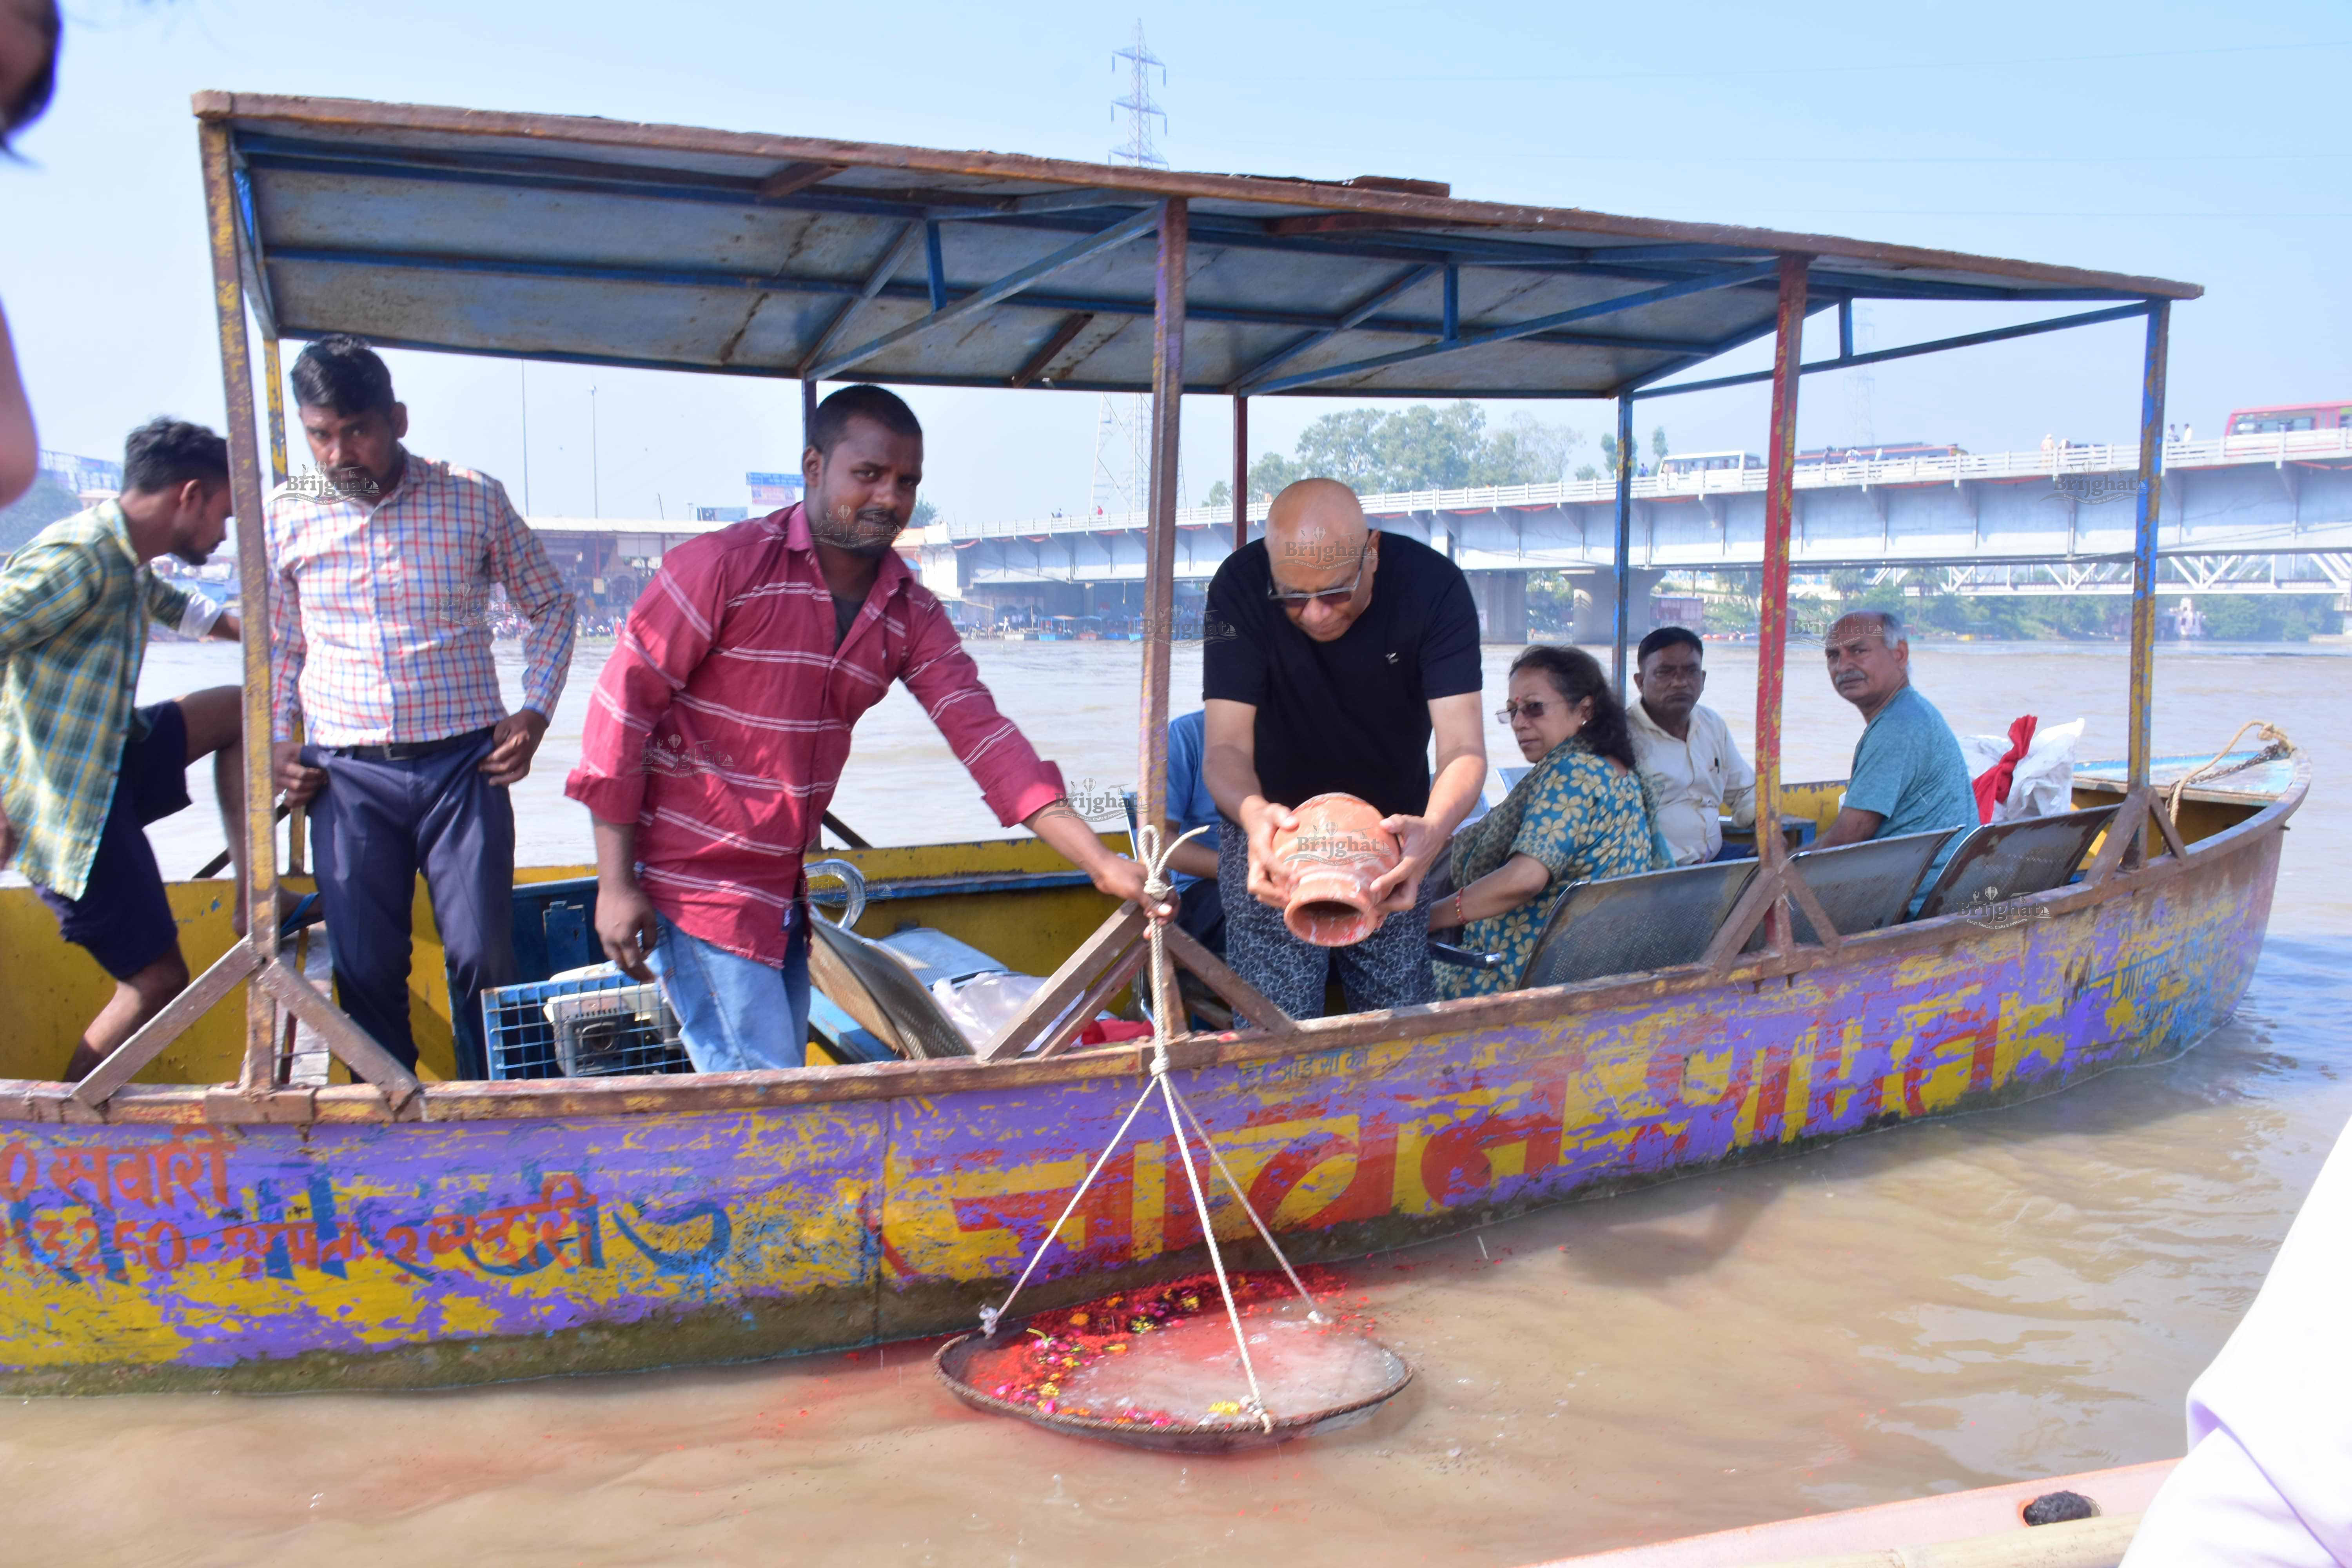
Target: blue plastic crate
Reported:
[(595, 1027)]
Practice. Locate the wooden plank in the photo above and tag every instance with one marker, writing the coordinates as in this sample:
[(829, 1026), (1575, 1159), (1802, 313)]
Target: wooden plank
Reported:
[(1825, 931), (1068, 984), (1745, 915), (1238, 993), (122, 1063), (352, 1045), (2123, 831), (1126, 967), (2160, 812)]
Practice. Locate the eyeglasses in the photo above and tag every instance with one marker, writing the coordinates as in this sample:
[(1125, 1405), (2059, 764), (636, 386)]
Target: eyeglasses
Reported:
[(1330, 598), (1534, 708)]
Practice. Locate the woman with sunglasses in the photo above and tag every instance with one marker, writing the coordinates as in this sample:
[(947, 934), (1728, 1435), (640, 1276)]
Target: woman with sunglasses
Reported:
[(1580, 814)]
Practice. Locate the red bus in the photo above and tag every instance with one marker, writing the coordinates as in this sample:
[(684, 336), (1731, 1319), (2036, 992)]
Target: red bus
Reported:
[(2291, 417)]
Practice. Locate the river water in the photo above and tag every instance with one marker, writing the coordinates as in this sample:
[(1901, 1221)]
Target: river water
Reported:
[(2021, 1293)]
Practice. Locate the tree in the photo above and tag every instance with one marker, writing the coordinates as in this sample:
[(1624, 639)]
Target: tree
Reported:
[(1219, 494), (1417, 448), (924, 513), (1658, 444)]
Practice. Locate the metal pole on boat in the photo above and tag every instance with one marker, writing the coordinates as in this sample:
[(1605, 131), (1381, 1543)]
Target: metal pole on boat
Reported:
[(1625, 543), (2151, 497), (252, 596), (1241, 470), (808, 412), (1772, 631), (274, 380), (1160, 548)]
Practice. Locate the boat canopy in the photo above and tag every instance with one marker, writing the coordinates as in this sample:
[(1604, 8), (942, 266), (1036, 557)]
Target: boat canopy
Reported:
[(603, 242)]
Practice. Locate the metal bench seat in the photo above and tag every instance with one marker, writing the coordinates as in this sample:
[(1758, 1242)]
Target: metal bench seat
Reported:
[(1626, 925), (1861, 887), (2006, 860)]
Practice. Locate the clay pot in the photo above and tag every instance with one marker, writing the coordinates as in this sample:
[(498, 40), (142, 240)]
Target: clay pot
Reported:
[(1335, 854)]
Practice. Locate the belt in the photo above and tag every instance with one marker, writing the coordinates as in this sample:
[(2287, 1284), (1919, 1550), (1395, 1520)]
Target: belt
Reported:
[(409, 751)]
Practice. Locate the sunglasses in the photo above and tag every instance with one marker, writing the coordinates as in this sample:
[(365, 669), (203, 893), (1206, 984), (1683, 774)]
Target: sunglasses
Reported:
[(1330, 598), (1534, 708)]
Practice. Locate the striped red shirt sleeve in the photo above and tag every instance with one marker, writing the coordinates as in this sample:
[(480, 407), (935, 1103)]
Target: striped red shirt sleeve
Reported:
[(668, 634), (1015, 781)]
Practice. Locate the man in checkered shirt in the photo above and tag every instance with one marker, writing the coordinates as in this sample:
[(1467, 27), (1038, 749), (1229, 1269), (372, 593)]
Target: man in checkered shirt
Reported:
[(381, 571)]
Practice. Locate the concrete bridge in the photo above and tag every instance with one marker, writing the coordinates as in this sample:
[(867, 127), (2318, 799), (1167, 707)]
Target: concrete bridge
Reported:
[(2243, 514)]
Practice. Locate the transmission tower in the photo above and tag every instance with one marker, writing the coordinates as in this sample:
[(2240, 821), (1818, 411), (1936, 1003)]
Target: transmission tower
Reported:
[(1122, 423), (1860, 385)]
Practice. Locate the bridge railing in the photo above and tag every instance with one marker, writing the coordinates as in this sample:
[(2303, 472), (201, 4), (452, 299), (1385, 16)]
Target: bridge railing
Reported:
[(2056, 462)]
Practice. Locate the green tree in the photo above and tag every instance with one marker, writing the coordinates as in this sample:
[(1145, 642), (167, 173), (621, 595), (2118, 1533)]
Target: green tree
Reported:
[(1219, 494), (924, 513), (1658, 444)]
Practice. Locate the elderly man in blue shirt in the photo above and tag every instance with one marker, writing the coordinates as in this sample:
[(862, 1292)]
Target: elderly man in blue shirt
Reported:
[(1908, 774)]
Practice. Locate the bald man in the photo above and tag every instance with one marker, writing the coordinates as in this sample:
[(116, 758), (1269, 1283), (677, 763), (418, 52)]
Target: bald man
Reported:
[(1333, 653)]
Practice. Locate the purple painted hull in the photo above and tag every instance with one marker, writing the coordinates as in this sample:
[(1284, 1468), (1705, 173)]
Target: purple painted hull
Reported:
[(521, 1230)]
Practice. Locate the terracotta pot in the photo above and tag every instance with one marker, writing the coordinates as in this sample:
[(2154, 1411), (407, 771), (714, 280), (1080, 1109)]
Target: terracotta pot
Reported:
[(1335, 853)]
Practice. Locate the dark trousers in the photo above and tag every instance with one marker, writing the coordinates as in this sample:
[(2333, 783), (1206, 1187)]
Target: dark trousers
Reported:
[(373, 827)]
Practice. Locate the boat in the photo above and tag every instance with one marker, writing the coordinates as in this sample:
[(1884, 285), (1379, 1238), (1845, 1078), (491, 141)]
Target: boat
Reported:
[(193, 1215)]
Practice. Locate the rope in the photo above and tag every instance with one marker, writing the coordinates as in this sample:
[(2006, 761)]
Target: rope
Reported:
[(1156, 889), (2274, 744)]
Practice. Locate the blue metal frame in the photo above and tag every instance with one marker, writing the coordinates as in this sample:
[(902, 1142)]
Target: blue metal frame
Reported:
[(1452, 320), (1849, 361), (1388, 293), (894, 257), (881, 285), (935, 266), (1740, 279)]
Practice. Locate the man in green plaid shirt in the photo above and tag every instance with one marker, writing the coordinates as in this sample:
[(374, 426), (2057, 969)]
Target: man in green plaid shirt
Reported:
[(83, 770)]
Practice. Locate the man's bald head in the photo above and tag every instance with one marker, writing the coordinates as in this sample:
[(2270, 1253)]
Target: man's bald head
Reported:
[(1318, 544), (1313, 516)]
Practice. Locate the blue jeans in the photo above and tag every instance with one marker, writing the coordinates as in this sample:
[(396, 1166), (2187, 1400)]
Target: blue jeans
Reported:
[(736, 1014)]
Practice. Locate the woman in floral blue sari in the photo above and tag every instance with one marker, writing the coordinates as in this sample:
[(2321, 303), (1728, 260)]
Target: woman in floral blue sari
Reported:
[(1578, 815)]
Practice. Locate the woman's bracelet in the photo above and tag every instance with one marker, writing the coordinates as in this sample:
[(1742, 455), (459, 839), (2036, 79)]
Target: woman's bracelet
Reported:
[(1459, 918)]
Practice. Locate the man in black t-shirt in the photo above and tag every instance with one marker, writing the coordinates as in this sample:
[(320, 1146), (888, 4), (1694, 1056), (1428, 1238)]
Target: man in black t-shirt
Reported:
[(1332, 654)]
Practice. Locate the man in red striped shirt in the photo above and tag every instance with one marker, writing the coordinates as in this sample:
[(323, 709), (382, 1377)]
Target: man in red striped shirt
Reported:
[(720, 726)]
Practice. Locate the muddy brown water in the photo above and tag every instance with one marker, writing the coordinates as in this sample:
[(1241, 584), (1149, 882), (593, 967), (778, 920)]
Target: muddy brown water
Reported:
[(2019, 1293)]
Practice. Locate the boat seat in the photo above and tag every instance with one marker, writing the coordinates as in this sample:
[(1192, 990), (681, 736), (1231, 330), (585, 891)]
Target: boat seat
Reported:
[(2005, 860), (1626, 925), (1861, 887)]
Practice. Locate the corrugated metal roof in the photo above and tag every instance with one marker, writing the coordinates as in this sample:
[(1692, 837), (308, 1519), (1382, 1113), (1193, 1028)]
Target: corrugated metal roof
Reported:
[(605, 242)]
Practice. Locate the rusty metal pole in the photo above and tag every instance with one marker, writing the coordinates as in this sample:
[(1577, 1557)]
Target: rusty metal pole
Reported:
[(1159, 541), (1241, 470), (274, 380), (252, 596), (1623, 549), (2151, 498), (1772, 632)]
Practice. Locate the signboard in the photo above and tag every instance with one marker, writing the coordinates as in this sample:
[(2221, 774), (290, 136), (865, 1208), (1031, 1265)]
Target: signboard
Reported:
[(773, 489)]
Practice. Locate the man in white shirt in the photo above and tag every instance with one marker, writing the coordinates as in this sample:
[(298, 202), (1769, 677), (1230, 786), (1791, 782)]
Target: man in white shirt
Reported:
[(1694, 771)]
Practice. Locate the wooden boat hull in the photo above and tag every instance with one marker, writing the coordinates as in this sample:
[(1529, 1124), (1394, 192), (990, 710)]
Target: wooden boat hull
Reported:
[(522, 1229)]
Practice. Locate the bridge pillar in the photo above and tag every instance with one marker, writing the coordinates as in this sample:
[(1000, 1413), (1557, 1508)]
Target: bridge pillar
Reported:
[(1502, 601), (1596, 605)]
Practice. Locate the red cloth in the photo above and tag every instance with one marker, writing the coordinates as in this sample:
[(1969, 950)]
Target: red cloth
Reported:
[(1110, 1031), (722, 719), (1992, 784)]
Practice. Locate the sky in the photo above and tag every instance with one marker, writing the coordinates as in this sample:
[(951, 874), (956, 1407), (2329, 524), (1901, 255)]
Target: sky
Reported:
[(2195, 142)]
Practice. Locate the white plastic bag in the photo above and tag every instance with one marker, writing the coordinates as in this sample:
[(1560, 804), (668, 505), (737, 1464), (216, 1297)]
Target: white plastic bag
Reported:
[(2043, 783), (984, 1004)]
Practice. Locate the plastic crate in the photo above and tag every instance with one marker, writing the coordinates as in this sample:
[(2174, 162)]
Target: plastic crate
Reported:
[(595, 1027)]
